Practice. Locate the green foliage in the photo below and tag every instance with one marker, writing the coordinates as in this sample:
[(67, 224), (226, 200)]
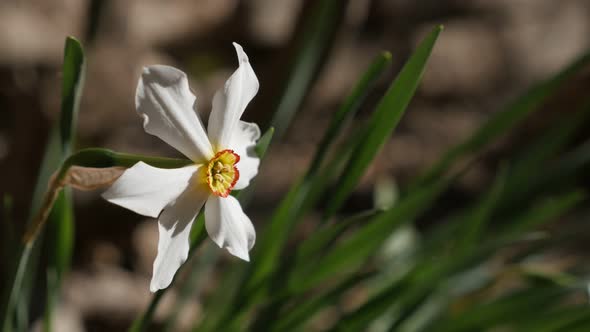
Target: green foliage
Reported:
[(61, 216), (61, 219), (384, 120)]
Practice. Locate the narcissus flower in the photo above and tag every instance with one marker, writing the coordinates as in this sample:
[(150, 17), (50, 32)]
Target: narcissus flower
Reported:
[(223, 157)]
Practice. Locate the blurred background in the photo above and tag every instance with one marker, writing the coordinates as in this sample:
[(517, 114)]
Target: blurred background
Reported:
[(490, 51)]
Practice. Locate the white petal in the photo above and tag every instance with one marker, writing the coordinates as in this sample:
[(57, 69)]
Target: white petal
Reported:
[(230, 102), (243, 143), (174, 226), (228, 226), (165, 102), (147, 190)]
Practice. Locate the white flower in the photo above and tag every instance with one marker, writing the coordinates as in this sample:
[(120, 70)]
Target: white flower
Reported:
[(223, 156)]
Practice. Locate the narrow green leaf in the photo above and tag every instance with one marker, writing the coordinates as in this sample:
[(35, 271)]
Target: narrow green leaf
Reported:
[(476, 220), (384, 120), (411, 292), (548, 209), (74, 72), (264, 142), (481, 317), (580, 325), (61, 218), (221, 303), (17, 287), (100, 158), (558, 320), (350, 107), (321, 239), (305, 308), (350, 254), (503, 121), (305, 193), (267, 251), (142, 321), (532, 172)]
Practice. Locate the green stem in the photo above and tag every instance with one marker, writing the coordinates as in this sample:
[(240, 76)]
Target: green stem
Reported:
[(94, 157)]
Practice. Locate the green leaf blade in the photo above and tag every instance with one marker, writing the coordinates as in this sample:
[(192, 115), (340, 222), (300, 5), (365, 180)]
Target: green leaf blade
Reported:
[(384, 120)]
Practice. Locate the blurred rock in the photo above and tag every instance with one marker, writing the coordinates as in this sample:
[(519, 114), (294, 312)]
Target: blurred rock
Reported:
[(156, 22), (114, 295), (545, 35), (106, 254), (189, 314), (33, 31), (348, 61), (357, 13), (427, 133), (65, 319), (272, 21), (145, 245), (467, 59), (110, 89), (107, 292)]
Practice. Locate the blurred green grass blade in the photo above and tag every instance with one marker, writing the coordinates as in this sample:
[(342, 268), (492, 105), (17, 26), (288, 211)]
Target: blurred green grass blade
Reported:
[(221, 302), (62, 242), (554, 320), (25, 258), (61, 218), (321, 239), (304, 193), (384, 120), (200, 268), (580, 325), (505, 120), (410, 292), (247, 194), (317, 40), (534, 301), (13, 289), (550, 143), (351, 253), (476, 220), (546, 209), (264, 142), (74, 72), (274, 236), (531, 171), (305, 308), (556, 175), (423, 283), (101, 158), (350, 107), (142, 321), (198, 232), (363, 316)]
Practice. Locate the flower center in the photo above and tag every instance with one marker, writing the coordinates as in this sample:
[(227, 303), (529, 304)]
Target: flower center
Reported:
[(221, 172)]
